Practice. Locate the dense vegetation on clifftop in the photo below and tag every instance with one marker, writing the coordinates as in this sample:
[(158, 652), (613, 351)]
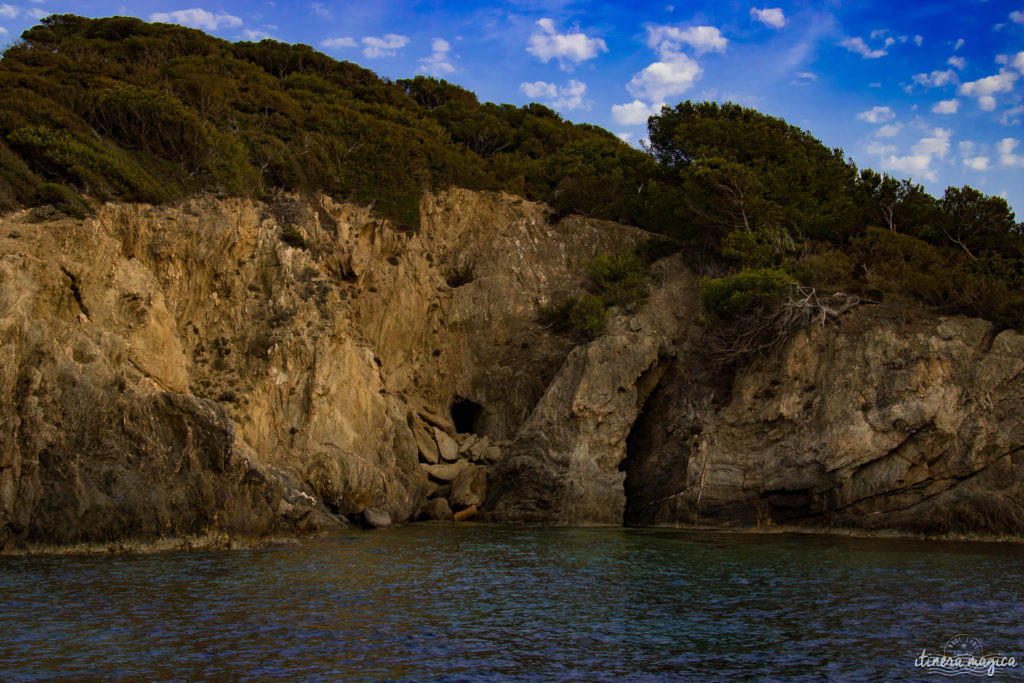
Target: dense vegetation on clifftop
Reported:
[(118, 108)]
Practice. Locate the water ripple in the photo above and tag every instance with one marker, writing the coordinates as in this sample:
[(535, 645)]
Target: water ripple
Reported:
[(469, 603)]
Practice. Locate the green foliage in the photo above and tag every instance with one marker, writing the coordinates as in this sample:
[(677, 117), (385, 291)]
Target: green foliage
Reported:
[(86, 164), (747, 169), (763, 248), (60, 198), (121, 108), (978, 223), (118, 107), (656, 247), (589, 315), (620, 278), (897, 265), (726, 296), (617, 279)]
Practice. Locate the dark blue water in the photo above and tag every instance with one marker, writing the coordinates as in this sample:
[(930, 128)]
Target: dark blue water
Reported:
[(465, 602)]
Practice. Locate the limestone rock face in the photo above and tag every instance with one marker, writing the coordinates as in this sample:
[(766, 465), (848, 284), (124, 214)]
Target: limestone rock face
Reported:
[(182, 370), (563, 466), (872, 424)]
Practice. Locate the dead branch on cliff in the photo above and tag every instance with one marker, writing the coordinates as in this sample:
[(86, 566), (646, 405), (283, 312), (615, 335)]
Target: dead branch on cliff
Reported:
[(764, 329)]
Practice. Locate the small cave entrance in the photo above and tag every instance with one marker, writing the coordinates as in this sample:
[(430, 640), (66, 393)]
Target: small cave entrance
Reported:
[(466, 415)]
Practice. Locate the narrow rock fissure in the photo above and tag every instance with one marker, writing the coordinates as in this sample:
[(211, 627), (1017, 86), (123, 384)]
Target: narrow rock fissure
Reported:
[(637, 448)]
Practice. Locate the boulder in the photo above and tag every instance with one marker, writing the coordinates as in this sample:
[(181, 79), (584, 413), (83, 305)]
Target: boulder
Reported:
[(469, 488), (446, 472), (446, 446), (376, 519), (436, 510)]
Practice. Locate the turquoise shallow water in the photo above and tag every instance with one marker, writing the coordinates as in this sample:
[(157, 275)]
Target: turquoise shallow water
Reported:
[(467, 602)]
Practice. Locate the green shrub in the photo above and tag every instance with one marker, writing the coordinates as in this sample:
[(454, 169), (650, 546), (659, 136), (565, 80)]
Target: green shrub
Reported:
[(589, 315), (60, 198), (750, 287), (620, 278), (656, 247), (92, 168), (762, 248)]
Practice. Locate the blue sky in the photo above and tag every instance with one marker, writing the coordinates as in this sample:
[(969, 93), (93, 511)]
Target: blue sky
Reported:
[(929, 90)]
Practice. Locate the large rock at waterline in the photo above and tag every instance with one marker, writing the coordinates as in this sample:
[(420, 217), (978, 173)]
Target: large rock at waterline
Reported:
[(469, 487), (436, 510)]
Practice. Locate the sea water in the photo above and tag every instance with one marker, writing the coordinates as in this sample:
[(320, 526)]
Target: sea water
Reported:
[(476, 602)]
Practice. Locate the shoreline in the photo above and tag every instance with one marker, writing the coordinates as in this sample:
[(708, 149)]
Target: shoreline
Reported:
[(225, 543)]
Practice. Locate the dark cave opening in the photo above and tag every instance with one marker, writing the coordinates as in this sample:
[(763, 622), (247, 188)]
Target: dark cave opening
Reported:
[(465, 415)]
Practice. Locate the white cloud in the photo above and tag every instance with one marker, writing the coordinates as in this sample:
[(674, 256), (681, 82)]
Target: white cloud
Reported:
[(9, 11), (936, 79), (197, 18), (634, 113), (1017, 16), (1017, 61), (336, 43), (976, 163), (918, 40), (877, 115), (958, 62), (804, 78), (669, 39), (3, 31), (1007, 158), (249, 34), (919, 161), (878, 33), (539, 90), (769, 16), (1010, 116), (958, 44), (937, 145), (39, 13), (662, 80), (564, 97), (946, 106), (323, 12), (888, 131), (881, 149), (874, 85), (385, 46), (860, 47), (985, 88), (437, 64), (567, 48)]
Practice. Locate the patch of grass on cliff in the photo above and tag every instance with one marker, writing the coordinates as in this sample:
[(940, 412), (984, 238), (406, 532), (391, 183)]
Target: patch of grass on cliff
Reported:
[(60, 198)]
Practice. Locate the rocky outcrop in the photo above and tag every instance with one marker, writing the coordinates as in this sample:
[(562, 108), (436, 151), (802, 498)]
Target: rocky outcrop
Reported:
[(230, 367), (878, 423), (234, 369), (563, 466)]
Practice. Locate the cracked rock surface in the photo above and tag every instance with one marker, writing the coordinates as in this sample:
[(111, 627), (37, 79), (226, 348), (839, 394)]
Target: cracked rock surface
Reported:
[(876, 423)]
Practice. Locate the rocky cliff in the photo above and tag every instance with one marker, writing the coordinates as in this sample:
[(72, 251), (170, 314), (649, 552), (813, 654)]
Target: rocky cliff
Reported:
[(880, 422), (227, 369), (233, 368)]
